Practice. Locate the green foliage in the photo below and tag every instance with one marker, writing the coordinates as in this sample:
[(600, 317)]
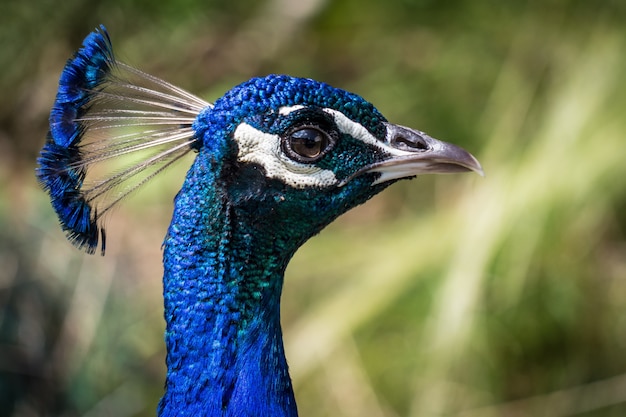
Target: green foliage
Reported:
[(446, 296)]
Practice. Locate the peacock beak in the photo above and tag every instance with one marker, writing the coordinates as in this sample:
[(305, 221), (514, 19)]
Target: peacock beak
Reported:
[(411, 152)]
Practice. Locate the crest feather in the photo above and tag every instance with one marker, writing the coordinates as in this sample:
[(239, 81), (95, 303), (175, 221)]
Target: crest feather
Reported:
[(105, 109)]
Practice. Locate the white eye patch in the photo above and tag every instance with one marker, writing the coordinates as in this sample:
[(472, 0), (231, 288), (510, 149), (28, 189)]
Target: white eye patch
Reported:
[(357, 131), (264, 149), (351, 128), (286, 110)]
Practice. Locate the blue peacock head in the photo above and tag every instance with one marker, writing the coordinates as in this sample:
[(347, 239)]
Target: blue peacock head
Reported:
[(300, 152)]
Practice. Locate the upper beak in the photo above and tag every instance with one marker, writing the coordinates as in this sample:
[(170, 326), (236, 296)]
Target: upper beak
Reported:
[(411, 152)]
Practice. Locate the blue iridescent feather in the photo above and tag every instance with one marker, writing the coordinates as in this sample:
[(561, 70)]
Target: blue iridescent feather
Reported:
[(57, 171), (82, 75), (105, 109)]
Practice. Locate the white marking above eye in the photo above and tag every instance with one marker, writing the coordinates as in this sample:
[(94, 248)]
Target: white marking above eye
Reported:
[(358, 131), (264, 149), (351, 128), (256, 146), (284, 111)]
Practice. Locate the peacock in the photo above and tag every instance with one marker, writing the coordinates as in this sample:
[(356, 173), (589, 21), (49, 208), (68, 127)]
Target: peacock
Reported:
[(277, 158)]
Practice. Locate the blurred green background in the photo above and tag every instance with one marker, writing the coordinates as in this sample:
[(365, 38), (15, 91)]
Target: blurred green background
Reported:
[(444, 296)]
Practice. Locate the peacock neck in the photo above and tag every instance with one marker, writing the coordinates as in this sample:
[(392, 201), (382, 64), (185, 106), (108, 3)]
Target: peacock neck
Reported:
[(222, 287)]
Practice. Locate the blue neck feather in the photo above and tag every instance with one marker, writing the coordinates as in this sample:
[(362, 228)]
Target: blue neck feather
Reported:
[(222, 291), (225, 259)]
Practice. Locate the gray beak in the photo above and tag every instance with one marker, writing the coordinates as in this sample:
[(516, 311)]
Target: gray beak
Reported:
[(411, 152)]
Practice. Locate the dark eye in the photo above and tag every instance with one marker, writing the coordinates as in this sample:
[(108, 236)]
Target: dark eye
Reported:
[(306, 144)]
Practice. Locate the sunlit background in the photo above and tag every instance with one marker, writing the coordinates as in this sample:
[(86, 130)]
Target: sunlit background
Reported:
[(444, 296)]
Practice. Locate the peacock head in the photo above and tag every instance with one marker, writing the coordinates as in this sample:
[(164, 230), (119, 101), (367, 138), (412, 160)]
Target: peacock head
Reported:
[(277, 149), (302, 152)]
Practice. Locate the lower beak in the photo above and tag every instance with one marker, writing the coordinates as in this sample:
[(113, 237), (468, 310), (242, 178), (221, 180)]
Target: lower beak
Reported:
[(411, 152)]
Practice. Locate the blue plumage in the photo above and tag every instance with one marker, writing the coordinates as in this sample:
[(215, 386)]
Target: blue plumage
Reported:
[(58, 171), (81, 76), (278, 158)]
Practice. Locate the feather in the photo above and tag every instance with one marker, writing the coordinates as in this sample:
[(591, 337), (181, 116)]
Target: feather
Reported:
[(105, 109)]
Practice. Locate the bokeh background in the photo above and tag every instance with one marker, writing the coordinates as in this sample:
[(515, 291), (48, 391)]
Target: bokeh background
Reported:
[(444, 296)]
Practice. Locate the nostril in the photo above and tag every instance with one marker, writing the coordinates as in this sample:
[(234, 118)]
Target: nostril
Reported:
[(409, 140), (412, 143)]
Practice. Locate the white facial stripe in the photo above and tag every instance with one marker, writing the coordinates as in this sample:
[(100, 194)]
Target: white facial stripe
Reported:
[(284, 111), (352, 128), (264, 149), (357, 131)]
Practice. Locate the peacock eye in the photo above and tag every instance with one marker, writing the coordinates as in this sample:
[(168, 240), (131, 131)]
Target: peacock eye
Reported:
[(306, 144)]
